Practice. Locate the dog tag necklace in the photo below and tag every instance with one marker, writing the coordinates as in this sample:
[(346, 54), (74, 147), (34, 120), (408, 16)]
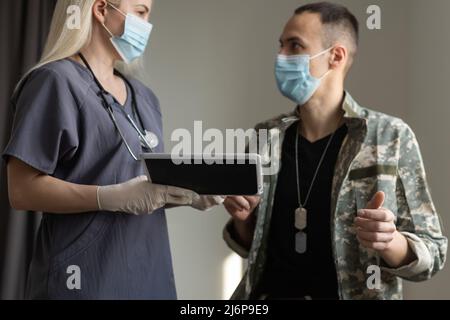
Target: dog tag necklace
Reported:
[(301, 214)]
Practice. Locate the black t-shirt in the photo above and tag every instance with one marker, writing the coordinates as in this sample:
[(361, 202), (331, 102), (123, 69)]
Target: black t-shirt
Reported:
[(290, 275)]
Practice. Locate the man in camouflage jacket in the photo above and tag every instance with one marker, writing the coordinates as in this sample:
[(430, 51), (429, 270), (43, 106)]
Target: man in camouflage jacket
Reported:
[(379, 153)]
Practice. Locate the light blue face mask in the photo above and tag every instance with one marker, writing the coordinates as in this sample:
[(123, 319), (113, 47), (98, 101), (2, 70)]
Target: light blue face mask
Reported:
[(294, 78), (132, 43)]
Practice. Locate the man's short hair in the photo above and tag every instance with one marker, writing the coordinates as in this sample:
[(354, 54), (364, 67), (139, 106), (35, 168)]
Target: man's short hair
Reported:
[(339, 23)]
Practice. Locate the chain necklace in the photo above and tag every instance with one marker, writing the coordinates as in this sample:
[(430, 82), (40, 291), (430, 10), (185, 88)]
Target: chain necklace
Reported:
[(301, 214)]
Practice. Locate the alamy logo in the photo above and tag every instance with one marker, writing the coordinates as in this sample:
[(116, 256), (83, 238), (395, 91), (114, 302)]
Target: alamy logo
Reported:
[(73, 18), (374, 19), (74, 279), (374, 280), (213, 143)]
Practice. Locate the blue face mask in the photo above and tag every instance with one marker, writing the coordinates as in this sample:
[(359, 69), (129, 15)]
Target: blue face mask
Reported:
[(132, 43), (294, 78)]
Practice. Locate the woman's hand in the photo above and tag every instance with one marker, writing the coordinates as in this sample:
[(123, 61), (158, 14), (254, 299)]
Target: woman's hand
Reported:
[(205, 203), (139, 196)]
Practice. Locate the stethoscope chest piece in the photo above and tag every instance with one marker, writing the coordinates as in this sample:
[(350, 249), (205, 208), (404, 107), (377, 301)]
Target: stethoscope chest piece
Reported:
[(151, 140), (148, 139)]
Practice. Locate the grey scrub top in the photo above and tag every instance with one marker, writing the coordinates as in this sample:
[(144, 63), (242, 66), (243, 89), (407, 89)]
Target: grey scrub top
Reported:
[(62, 129)]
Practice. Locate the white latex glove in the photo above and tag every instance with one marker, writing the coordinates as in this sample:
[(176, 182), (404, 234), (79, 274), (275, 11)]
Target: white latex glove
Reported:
[(205, 203), (140, 197)]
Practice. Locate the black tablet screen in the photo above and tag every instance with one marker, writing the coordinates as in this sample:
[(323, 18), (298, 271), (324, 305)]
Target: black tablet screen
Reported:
[(205, 179)]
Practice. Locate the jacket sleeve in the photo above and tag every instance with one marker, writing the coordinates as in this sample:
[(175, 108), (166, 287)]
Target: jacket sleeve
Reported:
[(232, 243), (229, 234), (417, 218)]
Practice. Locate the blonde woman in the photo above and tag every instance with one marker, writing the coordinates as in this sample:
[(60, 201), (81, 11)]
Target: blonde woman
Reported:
[(79, 129)]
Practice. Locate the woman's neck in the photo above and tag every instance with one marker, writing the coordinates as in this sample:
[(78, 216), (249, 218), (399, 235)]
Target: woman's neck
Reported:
[(100, 61), (100, 54)]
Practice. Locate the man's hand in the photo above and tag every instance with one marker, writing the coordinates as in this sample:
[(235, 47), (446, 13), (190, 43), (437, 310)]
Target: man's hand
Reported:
[(241, 210), (375, 226), (376, 229)]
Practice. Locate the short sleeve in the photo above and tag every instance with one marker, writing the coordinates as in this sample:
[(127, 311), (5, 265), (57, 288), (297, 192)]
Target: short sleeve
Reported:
[(45, 128)]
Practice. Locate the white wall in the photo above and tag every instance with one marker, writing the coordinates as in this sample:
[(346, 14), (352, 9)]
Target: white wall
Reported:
[(213, 60)]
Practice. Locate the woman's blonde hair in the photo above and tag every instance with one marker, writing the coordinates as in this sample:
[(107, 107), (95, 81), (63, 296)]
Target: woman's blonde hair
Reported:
[(64, 41)]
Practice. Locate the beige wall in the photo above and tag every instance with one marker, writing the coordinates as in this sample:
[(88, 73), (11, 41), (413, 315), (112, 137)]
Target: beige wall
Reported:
[(213, 60), (428, 111)]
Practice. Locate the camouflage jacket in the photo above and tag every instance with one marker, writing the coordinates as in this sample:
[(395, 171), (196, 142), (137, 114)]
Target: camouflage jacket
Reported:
[(380, 153)]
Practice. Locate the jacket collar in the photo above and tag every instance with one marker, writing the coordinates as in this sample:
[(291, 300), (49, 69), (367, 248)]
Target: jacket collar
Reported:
[(354, 115)]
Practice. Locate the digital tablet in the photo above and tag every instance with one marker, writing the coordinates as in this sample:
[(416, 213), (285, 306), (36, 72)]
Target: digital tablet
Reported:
[(225, 175)]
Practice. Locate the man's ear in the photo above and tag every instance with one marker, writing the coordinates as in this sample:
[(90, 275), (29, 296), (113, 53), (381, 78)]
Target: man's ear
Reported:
[(99, 10), (339, 57)]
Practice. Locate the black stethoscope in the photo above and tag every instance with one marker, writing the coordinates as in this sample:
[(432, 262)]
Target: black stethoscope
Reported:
[(148, 139)]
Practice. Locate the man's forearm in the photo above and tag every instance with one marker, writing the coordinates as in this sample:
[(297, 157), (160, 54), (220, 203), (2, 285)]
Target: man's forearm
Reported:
[(399, 253)]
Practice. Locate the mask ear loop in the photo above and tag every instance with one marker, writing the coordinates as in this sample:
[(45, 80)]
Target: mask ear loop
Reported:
[(118, 10), (326, 74), (321, 53), (107, 30), (318, 55)]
